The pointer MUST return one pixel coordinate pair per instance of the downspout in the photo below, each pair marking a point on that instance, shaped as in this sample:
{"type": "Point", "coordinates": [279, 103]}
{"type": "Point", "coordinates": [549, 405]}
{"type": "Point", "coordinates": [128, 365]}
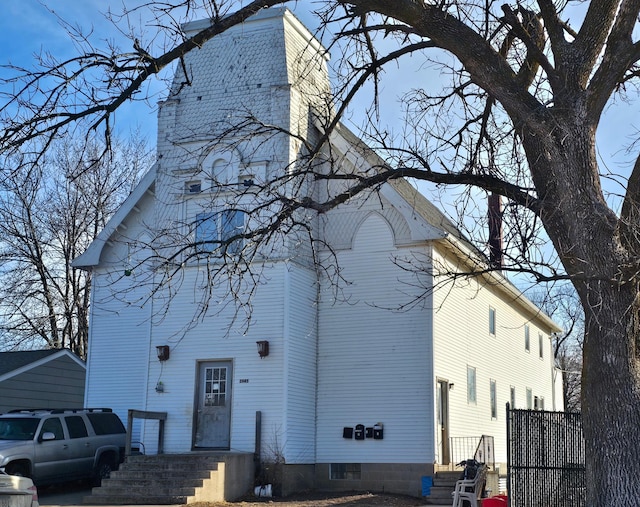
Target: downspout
{"type": "Point", "coordinates": [286, 331]}
{"type": "Point", "coordinates": [89, 347]}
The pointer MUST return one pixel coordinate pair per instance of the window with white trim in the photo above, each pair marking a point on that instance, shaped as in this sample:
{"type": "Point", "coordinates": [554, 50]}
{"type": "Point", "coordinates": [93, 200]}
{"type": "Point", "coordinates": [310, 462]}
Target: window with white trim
{"type": "Point", "coordinates": [493, 396]}
{"type": "Point", "coordinates": [213, 229]}
{"type": "Point", "coordinates": [540, 345]}
{"type": "Point", "coordinates": [492, 321]}
{"type": "Point", "coordinates": [193, 187]}
{"type": "Point", "coordinates": [527, 340]}
{"type": "Point", "coordinates": [471, 384]}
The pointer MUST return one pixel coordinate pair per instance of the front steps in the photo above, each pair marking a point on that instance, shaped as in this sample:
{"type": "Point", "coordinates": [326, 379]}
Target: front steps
{"type": "Point", "coordinates": [443, 485]}
{"type": "Point", "coordinates": [167, 479]}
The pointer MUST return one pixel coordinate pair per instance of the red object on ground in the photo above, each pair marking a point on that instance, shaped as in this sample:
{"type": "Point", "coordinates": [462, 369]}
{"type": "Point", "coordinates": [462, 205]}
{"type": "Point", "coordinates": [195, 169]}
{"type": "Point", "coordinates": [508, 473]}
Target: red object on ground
{"type": "Point", "coordinates": [494, 501]}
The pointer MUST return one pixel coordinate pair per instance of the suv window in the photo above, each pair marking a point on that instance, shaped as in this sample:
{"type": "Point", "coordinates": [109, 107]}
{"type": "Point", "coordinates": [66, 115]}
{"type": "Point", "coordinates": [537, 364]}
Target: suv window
{"type": "Point", "coordinates": [106, 423]}
{"type": "Point", "coordinates": [18, 428]}
{"type": "Point", "coordinates": [53, 425]}
{"type": "Point", "coordinates": [76, 426]}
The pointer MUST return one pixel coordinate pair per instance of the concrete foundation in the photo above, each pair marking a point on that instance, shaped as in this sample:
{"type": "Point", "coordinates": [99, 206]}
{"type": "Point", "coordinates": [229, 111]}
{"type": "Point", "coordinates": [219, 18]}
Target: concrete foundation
{"type": "Point", "coordinates": [398, 478]}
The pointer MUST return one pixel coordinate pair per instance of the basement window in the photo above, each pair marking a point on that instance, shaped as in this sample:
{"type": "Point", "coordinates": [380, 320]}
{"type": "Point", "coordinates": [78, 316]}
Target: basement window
{"type": "Point", "coordinates": [345, 471]}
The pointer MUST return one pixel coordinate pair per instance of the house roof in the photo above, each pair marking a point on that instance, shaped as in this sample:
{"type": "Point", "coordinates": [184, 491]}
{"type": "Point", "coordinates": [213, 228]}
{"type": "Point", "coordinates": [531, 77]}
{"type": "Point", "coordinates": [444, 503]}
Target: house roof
{"type": "Point", "coordinates": [91, 256]}
{"type": "Point", "coordinates": [13, 363]}
{"type": "Point", "coordinates": [451, 237]}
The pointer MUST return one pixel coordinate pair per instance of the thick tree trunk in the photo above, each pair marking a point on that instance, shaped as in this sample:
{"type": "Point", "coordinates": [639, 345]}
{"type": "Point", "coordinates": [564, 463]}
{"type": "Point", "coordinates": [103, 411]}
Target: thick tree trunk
{"type": "Point", "coordinates": [586, 235]}
{"type": "Point", "coordinates": [611, 395]}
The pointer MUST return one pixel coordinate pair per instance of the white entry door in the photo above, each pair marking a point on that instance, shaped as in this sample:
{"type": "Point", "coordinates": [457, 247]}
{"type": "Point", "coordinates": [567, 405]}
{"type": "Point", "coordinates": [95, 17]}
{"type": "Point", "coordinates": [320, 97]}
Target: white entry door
{"type": "Point", "coordinates": [213, 407]}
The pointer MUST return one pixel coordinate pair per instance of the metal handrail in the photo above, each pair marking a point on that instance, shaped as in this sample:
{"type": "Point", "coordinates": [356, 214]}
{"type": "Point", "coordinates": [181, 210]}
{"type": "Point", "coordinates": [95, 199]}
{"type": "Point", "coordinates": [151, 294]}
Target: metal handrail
{"type": "Point", "coordinates": [480, 448]}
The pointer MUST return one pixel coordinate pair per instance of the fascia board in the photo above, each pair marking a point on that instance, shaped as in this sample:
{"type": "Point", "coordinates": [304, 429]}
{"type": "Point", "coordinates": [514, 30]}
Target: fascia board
{"type": "Point", "coordinates": [495, 279]}
{"type": "Point", "coordinates": [91, 256]}
{"type": "Point", "coordinates": [40, 362]}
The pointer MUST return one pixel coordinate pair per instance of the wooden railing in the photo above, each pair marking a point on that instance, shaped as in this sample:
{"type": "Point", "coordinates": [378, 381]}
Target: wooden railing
{"type": "Point", "coordinates": [142, 414]}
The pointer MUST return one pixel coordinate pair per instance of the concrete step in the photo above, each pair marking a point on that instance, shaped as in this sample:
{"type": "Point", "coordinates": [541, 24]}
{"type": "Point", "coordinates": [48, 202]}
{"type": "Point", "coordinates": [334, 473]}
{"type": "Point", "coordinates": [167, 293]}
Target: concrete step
{"type": "Point", "coordinates": [151, 473]}
{"type": "Point", "coordinates": [151, 483]}
{"type": "Point", "coordinates": [443, 485]}
{"type": "Point", "coordinates": [168, 490]}
{"type": "Point", "coordinates": [447, 477]}
{"type": "Point", "coordinates": [440, 495]}
{"type": "Point", "coordinates": [146, 500]}
{"type": "Point", "coordinates": [158, 479]}
{"type": "Point", "coordinates": [176, 479]}
{"type": "Point", "coordinates": [178, 466]}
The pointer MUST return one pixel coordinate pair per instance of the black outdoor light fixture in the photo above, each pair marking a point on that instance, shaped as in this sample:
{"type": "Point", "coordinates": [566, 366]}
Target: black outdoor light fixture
{"type": "Point", "coordinates": [263, 348]}
{"type": "Point", "coordinates": [163, 352]}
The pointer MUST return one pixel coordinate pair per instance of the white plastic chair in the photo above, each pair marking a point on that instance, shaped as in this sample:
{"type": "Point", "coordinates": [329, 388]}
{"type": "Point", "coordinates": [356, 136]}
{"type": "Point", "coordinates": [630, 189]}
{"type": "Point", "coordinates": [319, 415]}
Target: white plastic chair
{"type": "Point", "coordinates": [470, 489]}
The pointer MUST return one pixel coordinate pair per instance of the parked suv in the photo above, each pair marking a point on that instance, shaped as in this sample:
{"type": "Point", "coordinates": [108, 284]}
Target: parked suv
{"type": "Point", "coordinates": [60, 445]}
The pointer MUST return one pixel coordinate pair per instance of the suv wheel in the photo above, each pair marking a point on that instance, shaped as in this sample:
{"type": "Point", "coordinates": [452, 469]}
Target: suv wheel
{"type": "Point", "coordinates": [17, 469]}
{"type": "Point", "coordinates": [103, 470]}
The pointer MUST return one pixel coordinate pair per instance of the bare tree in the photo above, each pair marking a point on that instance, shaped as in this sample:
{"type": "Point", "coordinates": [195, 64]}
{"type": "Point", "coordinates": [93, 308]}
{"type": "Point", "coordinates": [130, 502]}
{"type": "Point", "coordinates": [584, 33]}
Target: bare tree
{"type": "Point", "coordinates": [562, 304]}
{"type": "Point", "coordinates": [515, 113]}
{"type": "Point", "coordinates": [49, 213]}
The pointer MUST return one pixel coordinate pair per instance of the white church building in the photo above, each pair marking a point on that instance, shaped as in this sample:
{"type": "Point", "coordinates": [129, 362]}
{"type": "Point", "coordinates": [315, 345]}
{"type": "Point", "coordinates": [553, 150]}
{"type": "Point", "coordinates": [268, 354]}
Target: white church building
{"type": "Point", "coordinates": [363, 371]}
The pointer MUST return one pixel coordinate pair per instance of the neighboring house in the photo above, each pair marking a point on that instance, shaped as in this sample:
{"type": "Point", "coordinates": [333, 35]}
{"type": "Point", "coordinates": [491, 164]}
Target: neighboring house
{"type": "Point", "coordinates": [50, 378]}
{"type": "Point", "coordinates": [339, 361]}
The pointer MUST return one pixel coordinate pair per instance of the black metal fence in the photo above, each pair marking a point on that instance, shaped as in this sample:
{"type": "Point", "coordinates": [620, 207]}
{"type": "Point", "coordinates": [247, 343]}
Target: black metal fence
{"type": "Point", "coordinates": [545, 455]}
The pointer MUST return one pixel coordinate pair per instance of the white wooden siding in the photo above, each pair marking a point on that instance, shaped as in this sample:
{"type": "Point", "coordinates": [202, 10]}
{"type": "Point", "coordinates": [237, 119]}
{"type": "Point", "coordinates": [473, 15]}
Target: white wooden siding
{"type": "Point", "coordinates": [300, 320]}
{"type": "Point", "coordinates": [462, 338]}
{"type": "Point", "coordinates": [117, 360]}
{"type": "Point", "coordinates": [374, 363]}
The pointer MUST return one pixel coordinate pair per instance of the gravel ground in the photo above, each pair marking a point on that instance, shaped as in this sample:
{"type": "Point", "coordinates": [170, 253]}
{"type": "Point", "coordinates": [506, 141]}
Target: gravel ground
{"type": "Point", "coordinates": [314, 499]}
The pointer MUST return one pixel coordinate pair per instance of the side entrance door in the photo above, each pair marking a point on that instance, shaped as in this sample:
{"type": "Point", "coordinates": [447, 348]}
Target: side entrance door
{"type": "Point", "coordinates": [442, 401]}
{"type": "Point", "coordinates": [213, 405]}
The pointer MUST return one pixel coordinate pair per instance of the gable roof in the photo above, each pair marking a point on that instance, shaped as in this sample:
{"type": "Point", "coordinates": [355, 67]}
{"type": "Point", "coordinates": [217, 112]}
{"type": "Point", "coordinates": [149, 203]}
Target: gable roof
{"type": "Point", "coordinates": [91, 256]}
{"type": "Point", "coordinates": [14, 363]}
{"type": "Point", "coordinates": [449, 235]}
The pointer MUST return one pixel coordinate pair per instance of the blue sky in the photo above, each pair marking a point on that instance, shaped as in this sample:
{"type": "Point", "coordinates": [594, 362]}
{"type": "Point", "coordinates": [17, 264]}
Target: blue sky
{"type": "Point", "coordinates": [27, 27]}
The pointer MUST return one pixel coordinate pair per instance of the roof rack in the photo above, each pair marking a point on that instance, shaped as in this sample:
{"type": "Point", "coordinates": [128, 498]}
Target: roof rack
{"type": "Point", "coordinates": [58, 410]}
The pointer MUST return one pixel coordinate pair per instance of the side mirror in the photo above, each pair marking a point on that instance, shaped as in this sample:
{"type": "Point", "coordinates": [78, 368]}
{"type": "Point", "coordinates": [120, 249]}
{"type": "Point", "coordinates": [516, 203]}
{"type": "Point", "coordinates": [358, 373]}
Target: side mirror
{"type": "Point", "coordinates": [47, 435]}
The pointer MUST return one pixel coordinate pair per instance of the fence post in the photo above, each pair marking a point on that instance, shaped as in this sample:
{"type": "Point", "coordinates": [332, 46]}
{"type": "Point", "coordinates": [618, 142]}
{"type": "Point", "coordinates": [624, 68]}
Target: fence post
{"type": "Point", "coordinates": [508, 419]}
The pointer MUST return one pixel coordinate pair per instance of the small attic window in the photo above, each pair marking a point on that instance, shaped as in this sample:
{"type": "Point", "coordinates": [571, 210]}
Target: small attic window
{"type": "Point", "coordinates": [193, 187]}
{"type": "Point", "coordinates": [246, 181]}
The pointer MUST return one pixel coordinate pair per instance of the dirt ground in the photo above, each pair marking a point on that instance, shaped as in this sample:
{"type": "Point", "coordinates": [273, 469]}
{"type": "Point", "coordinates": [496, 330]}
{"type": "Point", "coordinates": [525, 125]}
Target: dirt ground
{"type": "Point", "coordinates": [315, 499]}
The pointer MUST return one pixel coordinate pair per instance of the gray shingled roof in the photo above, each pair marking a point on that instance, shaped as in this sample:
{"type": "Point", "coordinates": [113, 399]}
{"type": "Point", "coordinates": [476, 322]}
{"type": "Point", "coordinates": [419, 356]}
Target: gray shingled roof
{"type": "Point", "coordinates": [10, 361]}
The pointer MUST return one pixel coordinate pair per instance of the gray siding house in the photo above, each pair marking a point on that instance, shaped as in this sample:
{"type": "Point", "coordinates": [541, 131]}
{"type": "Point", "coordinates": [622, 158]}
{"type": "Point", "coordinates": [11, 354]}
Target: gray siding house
{"type": "Point", "coordinates": [41, 379]}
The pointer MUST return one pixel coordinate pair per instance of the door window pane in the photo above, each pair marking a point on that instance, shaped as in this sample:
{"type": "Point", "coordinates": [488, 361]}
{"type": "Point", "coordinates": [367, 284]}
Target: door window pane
{"type": "Point", "coordinates": [215, 387]}
{"type": "Point", "coordinates": [53, 425]}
